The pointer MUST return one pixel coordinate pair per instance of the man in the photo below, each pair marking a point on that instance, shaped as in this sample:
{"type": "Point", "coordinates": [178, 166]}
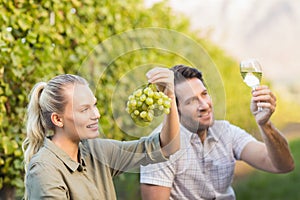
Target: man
{"type": "Point", "coordinates": [204, 166]}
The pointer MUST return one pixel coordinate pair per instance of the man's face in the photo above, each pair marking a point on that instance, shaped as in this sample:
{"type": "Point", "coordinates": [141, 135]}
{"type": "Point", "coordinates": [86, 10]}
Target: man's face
{"type": "Point", "coordinates": [81, 114]}
{"type": "Point", "coordinates": [194, 105]}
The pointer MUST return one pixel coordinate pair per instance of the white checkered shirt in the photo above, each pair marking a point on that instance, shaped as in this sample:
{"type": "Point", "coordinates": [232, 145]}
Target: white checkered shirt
{"type": "Point", "coordinates": [201, 171]}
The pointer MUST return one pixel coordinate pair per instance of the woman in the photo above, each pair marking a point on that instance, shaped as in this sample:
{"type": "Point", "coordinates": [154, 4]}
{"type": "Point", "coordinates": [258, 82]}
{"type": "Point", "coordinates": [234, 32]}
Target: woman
{"type": "Point", "coordinates": [73, 163]}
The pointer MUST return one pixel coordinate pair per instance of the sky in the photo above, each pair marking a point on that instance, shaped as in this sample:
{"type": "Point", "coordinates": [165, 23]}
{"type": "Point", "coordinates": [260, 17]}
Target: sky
{"type": "Point", "coordinates": [264, 29]}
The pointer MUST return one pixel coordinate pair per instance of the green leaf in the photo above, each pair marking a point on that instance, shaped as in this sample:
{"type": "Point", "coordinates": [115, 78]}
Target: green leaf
{"type": "Point", "coordinates": [31, 37]}
{"type": "Point", "coordinates": [1, 182]}
{"type": "Point", "coordinates": [9, 146]}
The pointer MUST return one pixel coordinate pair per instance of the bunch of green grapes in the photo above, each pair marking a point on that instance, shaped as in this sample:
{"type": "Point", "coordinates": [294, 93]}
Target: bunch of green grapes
{"type": "Point", "coordinates": [147, 102]}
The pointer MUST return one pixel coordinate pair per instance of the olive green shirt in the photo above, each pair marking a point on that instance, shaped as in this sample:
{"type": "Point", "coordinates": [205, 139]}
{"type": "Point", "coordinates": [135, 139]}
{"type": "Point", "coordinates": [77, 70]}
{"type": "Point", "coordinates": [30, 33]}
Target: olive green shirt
{"type": "Point", "coordinates": [52, 174]}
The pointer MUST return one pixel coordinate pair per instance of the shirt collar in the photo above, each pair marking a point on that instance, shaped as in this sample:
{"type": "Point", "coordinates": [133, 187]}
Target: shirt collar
{"type": "Point", "coordinates": [211, 135]}
{"type": "Point", "coordinates": [63, 156]}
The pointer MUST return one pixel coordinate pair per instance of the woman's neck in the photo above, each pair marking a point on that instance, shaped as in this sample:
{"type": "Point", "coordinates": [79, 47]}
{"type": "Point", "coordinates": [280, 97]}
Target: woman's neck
{"type": "Point", "coordinates": [67, 145]}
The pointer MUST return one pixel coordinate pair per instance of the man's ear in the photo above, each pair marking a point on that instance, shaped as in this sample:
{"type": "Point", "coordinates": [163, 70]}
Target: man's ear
{"type": "Point", "coordinates": [57, 120]}
{"type": "Point", "coordinates": [178, 107]}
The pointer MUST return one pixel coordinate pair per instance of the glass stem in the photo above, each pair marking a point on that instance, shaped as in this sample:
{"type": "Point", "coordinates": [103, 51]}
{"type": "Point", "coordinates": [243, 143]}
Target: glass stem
{"type": "Point", "coordinates": [259, 107]}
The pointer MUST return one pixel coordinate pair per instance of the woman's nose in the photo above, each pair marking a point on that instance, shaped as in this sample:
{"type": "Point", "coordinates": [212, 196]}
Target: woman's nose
{"type": "Point", "coordinates": [96, 114]}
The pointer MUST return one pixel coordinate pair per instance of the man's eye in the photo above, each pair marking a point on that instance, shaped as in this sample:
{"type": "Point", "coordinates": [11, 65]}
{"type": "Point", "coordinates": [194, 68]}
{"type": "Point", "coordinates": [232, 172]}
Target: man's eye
{"type": "Point", "coordinates": [189, 102]}
{"type": "Point", "coordinates": [205, 93]}
{"type": "Point", "coordinates": [192, 101]}
{"type": "Point", "coordinates": [84, 110]}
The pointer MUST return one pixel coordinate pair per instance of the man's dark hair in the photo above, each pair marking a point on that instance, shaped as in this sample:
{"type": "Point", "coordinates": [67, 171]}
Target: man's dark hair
{"type": "Point", "coordinates": [183, 72]}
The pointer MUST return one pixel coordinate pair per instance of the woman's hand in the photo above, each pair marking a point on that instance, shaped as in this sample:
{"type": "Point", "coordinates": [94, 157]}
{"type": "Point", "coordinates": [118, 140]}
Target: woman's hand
{"type": "Point", "coordinates": [163, 78]}
{"type": "Point", "coordinates": [169, 135]}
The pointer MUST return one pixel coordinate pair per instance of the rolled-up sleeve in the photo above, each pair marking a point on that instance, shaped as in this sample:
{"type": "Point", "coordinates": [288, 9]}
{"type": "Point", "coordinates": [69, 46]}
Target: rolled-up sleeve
{"type": "Point", "coordinates": [127, 155]}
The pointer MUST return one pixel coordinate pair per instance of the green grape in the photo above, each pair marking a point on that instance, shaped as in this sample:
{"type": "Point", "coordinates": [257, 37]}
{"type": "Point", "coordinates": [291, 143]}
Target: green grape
{"type": "Point", "coordinates": [150, 93]}
{"type": "Point", "coordinates": [166, 110]}
{"type": "Point", "coordinates": [143, 114]}
{"type": "Point", "coordinates": [156, 95]}
{"type": "Point", "coordinates": [133, 103]}
{"type": "Point", "coordinates": [138, 93]}
{"type": "Point", "coordinates": [158, 112]}
{"type": "Point", "coordinates": [132, 115]}
{"type": "Point", "coordinates": [160, 101]}
{"type": "Point", "coordinates": [161, 107]}
{"type": "Point", "coordinates": [165, 97]}
{"type": "Point", "coordinates": [144, 106]}
{"type": "Point", "coordinates": [131, 97]}
{"type": "Point", "coordinates": [167, 103]}
{"type": "Point", "coordinates": [145, 91]}
{"type": "Point", "coordinates": [151, 107]}
{"type": "Point", "coordinates": [149, 101]}
{"type": "Point", "coordinates": [145, 103]}
{"type": "Point", "coordinates": [150, 112]}
{"type": "Point", "coordinates": [150, 117]}
{"type": "Point", "coordinates": [143, 97]}
{"type": "Point", "coordinates": [139, 103]}
{"type": "Point", "coordinates": [136, 112]}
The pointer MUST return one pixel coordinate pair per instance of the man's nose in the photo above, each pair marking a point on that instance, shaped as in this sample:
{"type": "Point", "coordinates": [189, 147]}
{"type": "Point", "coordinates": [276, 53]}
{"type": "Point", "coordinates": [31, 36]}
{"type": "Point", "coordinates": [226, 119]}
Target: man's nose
{"type": "Point", "coordinates": [202, 104]}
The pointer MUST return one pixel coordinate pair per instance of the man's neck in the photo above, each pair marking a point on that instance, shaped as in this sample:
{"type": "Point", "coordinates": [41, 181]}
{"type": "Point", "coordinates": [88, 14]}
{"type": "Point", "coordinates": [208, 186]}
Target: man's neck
{"type": "Point", "coordinates": [202, 135]}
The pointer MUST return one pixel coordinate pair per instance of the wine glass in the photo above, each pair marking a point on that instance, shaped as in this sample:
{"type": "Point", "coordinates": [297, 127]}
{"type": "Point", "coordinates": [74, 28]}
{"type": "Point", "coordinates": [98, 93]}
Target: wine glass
{"type": "Point", "coordinates": [251, 72]}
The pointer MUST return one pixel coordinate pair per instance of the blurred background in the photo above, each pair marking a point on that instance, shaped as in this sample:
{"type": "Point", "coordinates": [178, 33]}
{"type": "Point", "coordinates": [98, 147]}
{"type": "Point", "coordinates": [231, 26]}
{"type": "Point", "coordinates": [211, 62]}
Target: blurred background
{"type": "Point", "coordinates": [112, 43]}
{"type": "Point", "coordinates": [266, 30]}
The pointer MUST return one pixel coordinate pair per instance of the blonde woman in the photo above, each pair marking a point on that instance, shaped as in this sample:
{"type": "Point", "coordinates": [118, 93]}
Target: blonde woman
{"type": "Point", "coordinates": [73, 163]}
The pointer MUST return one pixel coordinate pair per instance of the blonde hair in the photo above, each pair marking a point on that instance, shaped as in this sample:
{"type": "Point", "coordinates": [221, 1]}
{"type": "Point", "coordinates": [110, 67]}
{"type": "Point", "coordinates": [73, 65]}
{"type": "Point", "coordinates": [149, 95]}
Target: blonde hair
{"type": "Point", "coordinates": [44, 99]}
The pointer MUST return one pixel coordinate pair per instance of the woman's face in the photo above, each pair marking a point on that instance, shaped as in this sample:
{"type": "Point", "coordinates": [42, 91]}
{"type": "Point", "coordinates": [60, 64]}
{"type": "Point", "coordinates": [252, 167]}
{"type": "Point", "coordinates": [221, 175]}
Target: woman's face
{"type": "Point", "coordinates": [80, 118]}
{"type": "Point", "coordinates": [194, 105]}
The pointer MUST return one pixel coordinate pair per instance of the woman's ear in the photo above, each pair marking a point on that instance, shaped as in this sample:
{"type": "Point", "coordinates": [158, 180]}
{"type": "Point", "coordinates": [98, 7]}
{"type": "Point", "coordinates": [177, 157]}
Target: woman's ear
{"type": "Point", "coordinates": [57, 120]}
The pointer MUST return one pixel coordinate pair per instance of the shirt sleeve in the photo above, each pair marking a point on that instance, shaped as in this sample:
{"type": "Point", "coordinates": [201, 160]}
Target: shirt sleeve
{"type": "Point", "coordinates": [161, 174]}
{"type": "Point", "coordinates": [127, 155]}
{"type": "Point", "coordinates": [42, 183]}
{"type": "Point", "coordinates": [240, 139]}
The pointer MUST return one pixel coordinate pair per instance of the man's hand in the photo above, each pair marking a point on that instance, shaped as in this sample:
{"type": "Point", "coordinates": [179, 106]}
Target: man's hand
{"type": "Point", "coordinates": [263, 97]}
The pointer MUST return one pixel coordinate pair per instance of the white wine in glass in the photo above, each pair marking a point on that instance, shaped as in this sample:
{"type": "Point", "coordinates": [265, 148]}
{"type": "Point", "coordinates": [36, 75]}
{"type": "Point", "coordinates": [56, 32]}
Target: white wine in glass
{"type": "Point", "coordinates": [251, 72]}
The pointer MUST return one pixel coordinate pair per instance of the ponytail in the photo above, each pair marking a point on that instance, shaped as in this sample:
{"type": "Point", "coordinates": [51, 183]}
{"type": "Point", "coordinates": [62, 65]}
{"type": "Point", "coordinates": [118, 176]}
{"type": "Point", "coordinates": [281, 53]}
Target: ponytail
{"type": "Point", "coordinates": [45, 99]}
{"type": "Point", "coordinates": [35, 125]}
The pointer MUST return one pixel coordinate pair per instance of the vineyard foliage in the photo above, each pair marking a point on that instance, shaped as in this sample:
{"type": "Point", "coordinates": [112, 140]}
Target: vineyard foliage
{"type": "Point", "coordinates": [112, 44]}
